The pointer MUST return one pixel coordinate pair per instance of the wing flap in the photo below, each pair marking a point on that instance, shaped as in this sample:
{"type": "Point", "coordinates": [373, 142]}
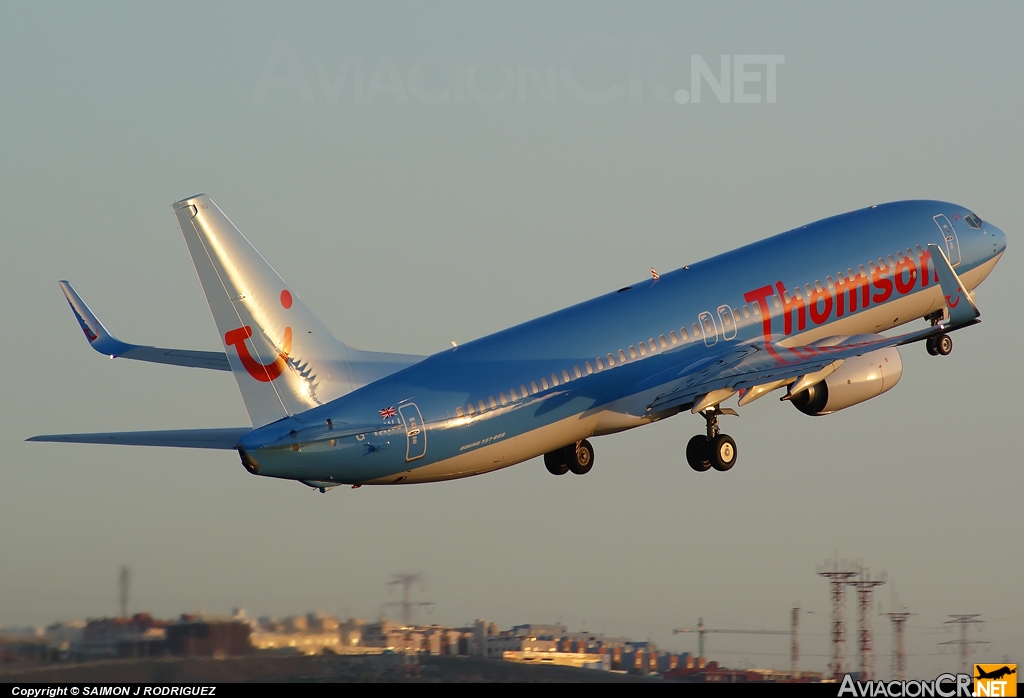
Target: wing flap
{"type": "Point", "coordinates": [221, 438]}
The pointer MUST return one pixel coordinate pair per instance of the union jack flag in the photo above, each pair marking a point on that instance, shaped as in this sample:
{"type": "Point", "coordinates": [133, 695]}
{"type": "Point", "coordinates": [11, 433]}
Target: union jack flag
{"type": "Point", "coordinates": [655, 274]}
{"type": "Point", "coordinates": [387, 413]}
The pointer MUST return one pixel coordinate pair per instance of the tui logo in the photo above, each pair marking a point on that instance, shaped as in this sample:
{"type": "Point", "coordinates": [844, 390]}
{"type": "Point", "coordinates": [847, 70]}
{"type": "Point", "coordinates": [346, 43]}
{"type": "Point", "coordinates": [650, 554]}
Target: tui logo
{"type": "Point", "coordinates": [265, 373]}
{"type": "Point", "coordinates": [952, 304]}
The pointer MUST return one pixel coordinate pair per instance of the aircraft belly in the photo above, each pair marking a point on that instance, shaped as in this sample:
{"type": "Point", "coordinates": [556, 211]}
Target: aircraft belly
{"type": "Point", "coordinates": [501, 454]}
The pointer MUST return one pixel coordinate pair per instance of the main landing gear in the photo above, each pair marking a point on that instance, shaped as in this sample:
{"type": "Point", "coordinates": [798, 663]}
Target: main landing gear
{"type": "Point", "coordinates": [577, 457]}
{"type": "Point", "coordinates": [715, 450]}
{"type": "Point", "coordinates": [939, 345]}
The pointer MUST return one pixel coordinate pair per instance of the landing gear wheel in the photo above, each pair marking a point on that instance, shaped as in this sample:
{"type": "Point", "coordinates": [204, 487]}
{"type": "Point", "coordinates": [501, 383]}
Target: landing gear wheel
{"type": "Point", "coordinates": [697, 453]}
{"type": "Point", "coordinates": [580, 457]}
{"type": "Point", "coordinates": [930, 346]}
{"type": "Point", "coordinates": [722, 452]}
{"type": "Point", "coordinates": [944, 344]}
{"type": "Point", "coordinates": [557, 462]}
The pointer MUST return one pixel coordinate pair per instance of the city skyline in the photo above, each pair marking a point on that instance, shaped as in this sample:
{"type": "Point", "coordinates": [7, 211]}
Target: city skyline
{"type": "Point", "coordinates": [530, 203]}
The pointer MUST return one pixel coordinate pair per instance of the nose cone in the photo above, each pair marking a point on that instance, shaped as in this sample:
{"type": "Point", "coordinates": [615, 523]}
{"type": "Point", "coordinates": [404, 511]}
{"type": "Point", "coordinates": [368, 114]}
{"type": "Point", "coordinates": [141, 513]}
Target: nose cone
{"type": "Point", "coordinates": [999, 239]}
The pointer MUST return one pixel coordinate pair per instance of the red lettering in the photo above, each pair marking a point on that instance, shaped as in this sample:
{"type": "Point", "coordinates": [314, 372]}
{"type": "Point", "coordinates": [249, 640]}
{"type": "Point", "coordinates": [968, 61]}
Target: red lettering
{"type": "Point", "coordinates": [924, 260]}
{"type": "Point", "coordinates": [906, 266]}
{"type": "Point", "coordinates": [760, 296]}
{"type": "Point", "coordinates": [794, 305]}
{"type": "Point", "coordinates": [848, 287]}
{"type": "Point", "coordinates": [824, 296]}
{"type": "Point", "coordinates": [881, 281]}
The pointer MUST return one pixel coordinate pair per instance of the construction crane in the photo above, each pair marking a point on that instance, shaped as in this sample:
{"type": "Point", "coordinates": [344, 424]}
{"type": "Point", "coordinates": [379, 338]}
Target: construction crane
{"type": "Point", "coordinates": [701, 631]}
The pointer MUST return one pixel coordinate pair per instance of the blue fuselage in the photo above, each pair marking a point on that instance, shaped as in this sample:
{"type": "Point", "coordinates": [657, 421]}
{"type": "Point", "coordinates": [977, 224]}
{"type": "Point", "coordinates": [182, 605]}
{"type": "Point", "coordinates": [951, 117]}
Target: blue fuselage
{"type": "Point", "coordinates": [594, 368]}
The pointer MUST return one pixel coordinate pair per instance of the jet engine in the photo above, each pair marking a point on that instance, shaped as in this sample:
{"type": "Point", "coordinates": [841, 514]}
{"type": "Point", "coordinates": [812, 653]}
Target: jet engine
{"type": "Point", "coordinates": [859, 378]}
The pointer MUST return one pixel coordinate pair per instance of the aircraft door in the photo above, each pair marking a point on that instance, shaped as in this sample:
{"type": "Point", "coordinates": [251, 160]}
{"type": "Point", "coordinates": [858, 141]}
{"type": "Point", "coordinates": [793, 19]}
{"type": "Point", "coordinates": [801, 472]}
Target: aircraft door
{"type": "Point", "coordinates": [949, 235]}
{"type": "Point", "coordinates": [728, 322]}
{"type": "Point", "coordinates": [415, 431]}
{"type": "Point", "coordinates": [708, 328]}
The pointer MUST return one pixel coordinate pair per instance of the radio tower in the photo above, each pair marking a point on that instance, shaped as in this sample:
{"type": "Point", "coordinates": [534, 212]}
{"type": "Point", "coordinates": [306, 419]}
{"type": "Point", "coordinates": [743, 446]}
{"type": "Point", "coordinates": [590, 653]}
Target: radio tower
{"type": "Point", "coordinates": [794, 646]}
{"type": "Point", "coordinates": [406, 580]}
{"type": "Point", "coordinates": [965, 620]}
{"type": "Point", "coordinates": [125, 581]}
{"type": "Point", "coordinates": [838, 574]}
{"type": "Point", "coordinates": [899, 650]}
{"type": "Point", "coordinates": [865, 587]}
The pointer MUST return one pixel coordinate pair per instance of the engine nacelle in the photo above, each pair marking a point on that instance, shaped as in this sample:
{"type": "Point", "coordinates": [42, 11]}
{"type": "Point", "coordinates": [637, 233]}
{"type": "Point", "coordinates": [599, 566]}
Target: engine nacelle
{"type": "Point", "coordinates": [859, 378]}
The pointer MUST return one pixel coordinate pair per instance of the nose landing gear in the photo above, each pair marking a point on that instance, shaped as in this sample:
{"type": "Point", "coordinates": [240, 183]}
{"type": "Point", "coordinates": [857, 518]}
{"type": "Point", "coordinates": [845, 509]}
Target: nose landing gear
{"type": "Point", "coordinates": [714, 450]}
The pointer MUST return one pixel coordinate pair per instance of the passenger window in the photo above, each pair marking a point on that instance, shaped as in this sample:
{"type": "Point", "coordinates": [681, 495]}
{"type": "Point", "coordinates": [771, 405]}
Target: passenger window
{"type": "Point", "coordinates": [494, 403]}
{"type": "Point", "coordinates": [600, 365]}
{"type": "Point", "coordinates": [757, 309]}
{"type": "Point", "coordinates": [643, 349]}
{"type": "Point", "coordinates": [554, 379]}
{"type": "Point", "coordinates": [682, 333]}
{"type": "Point", "coordinates": [611, 360]}
{"type": "Point", "coordinates": [871, 267]}
{"type": "Point", "coordinates": [632, 351]}
{"type": "Point", "coordinates": [459, 412]}
{"type": "Point", "coordinates": [736, 316]}
{"type": "Point", "coordinates": [512, 394]}
{"type": "Point", "coordinates": [533, 388]}
{"type": "Point", "coordinates": [470, 409]}
{"type": "Point", "coordinates": [746, 313]}
{"type": "Point", "coordinates": [504, 400]}
{"type": "Point", "coordinates": [662, 341]}
{"type": "Point", "coordinates": [622, 356]}
{"type": "Point", "coordinates": [651, 345]}
{"type": "Point", "coordinates": [590, 369]}
{"type": "Point", "coordinates": [672, 336]}
{"type": "Point", "coordinates": [544, 383]}
{"type": "Point", "coordinates": [775, 301]}
{"type": "Point", "coordinates": [695, 331]}
{"type": "Point", "coordinates": [830, 283]}
{"type": "Point", "coordinates": [565, 376]}
{"type": "Point", "coordinates": [482, 406]}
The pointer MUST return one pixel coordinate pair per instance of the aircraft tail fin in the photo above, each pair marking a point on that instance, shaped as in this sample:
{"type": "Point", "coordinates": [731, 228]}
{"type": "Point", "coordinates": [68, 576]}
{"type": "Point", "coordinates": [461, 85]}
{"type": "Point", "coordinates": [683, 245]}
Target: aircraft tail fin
{"type": "Point", "coordinates": [284, 359]}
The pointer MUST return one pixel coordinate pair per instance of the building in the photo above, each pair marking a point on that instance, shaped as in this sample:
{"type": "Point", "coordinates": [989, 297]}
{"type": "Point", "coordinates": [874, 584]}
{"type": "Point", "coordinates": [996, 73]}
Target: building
{"type": "Point", "coordinates": [191, 636]}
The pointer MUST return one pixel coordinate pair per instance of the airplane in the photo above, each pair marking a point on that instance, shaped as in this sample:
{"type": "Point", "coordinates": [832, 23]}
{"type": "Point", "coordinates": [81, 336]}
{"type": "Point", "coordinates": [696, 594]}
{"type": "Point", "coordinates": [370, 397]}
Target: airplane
{"type": "Point", "coordinates": [995, 674]}
{"type": "Point", "coordinates": [802, 311]}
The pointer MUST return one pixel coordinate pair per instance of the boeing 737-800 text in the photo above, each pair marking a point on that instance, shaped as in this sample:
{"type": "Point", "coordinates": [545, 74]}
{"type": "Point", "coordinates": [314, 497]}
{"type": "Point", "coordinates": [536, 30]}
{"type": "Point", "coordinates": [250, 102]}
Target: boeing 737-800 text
{"type": "Point", "coordinates": [800, 311]}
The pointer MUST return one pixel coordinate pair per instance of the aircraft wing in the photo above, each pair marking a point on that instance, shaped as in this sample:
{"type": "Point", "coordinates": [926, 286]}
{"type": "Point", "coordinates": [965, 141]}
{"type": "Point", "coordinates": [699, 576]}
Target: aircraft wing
{"type": "Point", "coordinates": [714, 379]}
{"type": "Point", "coordinates": [105, 343]}
{"type": "Point", "coordinates": [224, 438]}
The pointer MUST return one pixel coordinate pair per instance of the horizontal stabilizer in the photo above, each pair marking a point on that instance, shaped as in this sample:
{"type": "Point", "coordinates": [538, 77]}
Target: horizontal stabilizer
{"type": "Point", "coordinates": [224, 438]}
{"type": "Point", "coordinates": [105, 343]}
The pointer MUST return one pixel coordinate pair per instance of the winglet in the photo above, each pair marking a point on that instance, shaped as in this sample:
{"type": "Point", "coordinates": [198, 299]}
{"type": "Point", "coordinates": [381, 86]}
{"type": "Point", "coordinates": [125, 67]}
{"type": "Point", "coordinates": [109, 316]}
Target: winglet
{"type": "Point", "coordinates": [105, 343]}
{"type": "Point", "coordinates": [959, 305]}
{"type": "Point", "coordinates": [99, 338]}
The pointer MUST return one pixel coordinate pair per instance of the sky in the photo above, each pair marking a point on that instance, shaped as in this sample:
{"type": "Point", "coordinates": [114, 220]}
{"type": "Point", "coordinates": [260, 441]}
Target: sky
{"type": "Point", "coordinates": [422, 174]}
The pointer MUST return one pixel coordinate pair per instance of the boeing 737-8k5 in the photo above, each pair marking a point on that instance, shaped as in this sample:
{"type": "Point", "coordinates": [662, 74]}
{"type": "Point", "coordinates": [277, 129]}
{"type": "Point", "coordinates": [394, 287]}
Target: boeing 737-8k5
{"type": "Point", "coordinates": [801, 311]}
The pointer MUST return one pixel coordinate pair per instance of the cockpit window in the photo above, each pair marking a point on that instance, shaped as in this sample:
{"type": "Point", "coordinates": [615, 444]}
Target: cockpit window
{"type": "Point", "coordinates": [972, 221]}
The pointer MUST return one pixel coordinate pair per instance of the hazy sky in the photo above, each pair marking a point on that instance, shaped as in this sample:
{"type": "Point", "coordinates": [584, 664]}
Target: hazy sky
{"type": "Point", "coordinates": [427, 173]}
